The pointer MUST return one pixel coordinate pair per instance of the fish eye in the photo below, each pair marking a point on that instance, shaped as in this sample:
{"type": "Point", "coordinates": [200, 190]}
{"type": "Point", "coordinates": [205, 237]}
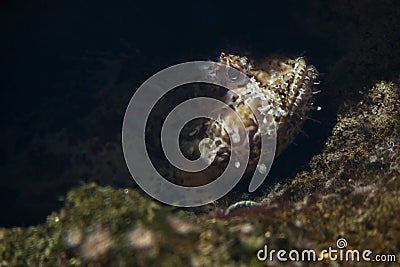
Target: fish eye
{"type": "Point", "coordinates": [233, 73]}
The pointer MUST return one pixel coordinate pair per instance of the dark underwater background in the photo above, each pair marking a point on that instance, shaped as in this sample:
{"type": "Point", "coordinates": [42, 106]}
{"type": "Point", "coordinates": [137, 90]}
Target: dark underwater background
{"type": "Point", "coordinates": [69, 68]}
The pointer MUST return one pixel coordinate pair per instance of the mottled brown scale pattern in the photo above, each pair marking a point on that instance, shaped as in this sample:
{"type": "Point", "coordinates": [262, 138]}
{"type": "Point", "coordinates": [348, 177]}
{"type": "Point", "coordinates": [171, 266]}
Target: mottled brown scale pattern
{"type": "Point", "coordinates": [285, 84]}
{"type": "Point", "coordinates": [293, 80]}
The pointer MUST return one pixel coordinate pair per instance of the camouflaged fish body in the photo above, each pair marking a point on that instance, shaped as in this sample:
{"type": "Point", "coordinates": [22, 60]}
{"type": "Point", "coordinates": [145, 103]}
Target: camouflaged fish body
{"type": "Point", "coordinates": [284, 89]}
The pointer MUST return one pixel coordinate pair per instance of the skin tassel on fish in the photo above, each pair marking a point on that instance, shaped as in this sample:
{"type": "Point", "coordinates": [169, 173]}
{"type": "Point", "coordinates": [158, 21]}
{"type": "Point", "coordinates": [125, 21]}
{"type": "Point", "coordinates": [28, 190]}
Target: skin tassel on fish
{"type": "Point", "coordinates": [286, 88]}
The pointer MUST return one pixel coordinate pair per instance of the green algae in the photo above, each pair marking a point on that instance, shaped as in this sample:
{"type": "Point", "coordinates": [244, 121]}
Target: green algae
{"type": "Point", "coordinates": [352, 191]}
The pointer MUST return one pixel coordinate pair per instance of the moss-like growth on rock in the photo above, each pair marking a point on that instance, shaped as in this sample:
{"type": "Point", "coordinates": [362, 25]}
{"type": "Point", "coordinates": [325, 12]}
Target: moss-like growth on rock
{"type": "Point", "coordinates": [352, 191]}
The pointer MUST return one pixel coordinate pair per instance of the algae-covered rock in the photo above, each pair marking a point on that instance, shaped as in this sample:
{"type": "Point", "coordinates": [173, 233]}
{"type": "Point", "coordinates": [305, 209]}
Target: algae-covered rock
{"type": "Point", "coordinates": [351, 192]}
